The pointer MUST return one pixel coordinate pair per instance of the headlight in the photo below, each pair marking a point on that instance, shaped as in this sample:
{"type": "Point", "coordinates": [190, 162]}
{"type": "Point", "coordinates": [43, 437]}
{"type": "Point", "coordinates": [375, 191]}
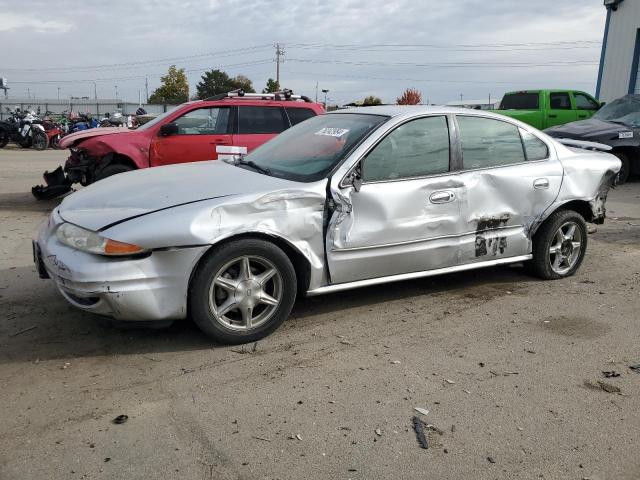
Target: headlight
{"type": "Point", "coordinates": [88, 241]}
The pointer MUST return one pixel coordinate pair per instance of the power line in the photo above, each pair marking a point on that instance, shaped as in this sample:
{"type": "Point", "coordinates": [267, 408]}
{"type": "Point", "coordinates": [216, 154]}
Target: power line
{"type": "Point", "coordinates": [448, 64]}
{"type": "Point", "coordinates": [444, 46]}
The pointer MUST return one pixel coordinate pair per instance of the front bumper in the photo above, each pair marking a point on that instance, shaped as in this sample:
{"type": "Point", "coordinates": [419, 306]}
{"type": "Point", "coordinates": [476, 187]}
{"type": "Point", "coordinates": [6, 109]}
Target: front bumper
{"type": "Point", "coordinates": [154, 287]}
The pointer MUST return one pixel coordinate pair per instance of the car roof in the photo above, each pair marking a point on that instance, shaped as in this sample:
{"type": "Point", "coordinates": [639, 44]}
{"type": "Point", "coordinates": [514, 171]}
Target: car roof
{"type": "Point", "coordinates": [414, 110]}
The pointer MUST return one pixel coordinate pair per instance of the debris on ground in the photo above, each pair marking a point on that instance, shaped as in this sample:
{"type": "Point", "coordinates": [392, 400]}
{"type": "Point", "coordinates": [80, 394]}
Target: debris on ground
{"type": "Point", "coordinates": [635, 367]}
{"type": "Point", "coordinates": [378, 432]}
{"type": "Point", "coordinates": [299, 437]}
{"type": "Point", "coordinates": [395, 362]}
{"type": "Point", "coordinates": [24, 330]}
{"type": "Point", "coordinates": [65, 366]}
{"type": "Point", "coordinates": [120, 419]}
{"type": "Point", "coordinates": [491, 460]}
{"type": "Point", "coordinates": [346, 342]}
{"type": "Point", "coordinates": [600, 385]}
{"type": "Point", "coordinates": [261, 438]}
{"type": "Point", "coordinates": [449, 381]}
{"type": "Point", "coordinates": [422, 438]}
{"type": "Point", "coordinates": [421, 410]}
{"type": "Point", "coordinates": [610, 374]}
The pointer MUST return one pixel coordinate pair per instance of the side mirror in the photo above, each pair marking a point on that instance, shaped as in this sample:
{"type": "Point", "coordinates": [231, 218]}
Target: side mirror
{"type": "Point", "coordinates": [354, 179]}
{"type": "Point", "coordinates": [168, 129]}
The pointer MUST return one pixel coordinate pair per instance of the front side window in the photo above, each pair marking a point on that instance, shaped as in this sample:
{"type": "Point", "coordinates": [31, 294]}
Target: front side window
{"type": "Point", "coordinates": [489, 143]}
{"type": "Point", "coordinates": [520, 101]}
{"type": "Point", "coordinates": [312, 149]}
{"type": "Point", "coordinates": [584, 102]}
{"type": "Point", "coordinates": [260, 120]}
{"type": "Point", "coordinates": [559, 101]}
{"type": "Point", "coordinates": [414, 149]}
{"type": "Point", "coordinates": [204, 121]}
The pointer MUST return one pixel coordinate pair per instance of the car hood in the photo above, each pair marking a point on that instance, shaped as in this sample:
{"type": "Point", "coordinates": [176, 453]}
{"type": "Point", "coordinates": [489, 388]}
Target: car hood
{"type": "Point", "coordinates": [69, 140]}
{"type": "Point", "coordinates": [592, 128]}
{"type": "Point", "coordinates": [141, 192]}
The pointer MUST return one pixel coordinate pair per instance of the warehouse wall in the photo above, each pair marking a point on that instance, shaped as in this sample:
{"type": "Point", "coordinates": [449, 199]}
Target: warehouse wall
{"type": "Point", "coordinates": [620, 48]}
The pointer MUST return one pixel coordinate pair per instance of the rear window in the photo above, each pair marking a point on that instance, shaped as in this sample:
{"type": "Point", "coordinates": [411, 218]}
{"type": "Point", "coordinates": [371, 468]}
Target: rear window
{"type": "Point", "coordinates": [520, 101]}
{"type": "Point", "coordinates": [300, 114]}
{"type": "Point", "coordinates": [256, 120]}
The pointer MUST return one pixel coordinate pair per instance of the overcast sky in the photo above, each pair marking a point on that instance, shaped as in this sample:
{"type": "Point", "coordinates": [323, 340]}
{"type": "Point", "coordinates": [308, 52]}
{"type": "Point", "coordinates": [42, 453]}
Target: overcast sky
{"type": "Point", "coordinates": [353, 48]}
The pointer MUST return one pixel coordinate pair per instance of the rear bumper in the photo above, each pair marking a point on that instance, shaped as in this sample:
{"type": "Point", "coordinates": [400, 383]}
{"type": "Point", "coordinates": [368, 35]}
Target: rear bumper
{"type": "Point", "coordinates": [151, 288]}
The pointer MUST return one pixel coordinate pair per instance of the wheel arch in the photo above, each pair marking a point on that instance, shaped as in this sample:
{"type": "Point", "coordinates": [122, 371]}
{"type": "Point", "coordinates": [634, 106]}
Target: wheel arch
{"type": "Point", "coordinates": [582, 207]}
{"type": "Point", "coordinates": [301, 263]}
{"type": "Point", "coordinates": [632, 152]}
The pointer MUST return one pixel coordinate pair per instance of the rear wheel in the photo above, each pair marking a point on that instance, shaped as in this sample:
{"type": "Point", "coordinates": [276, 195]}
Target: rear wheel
{"type": "Point", "coordinates": [4, 138]}
{"type": "Point", "coordinates": [623, 174]}
{"type": "Point", "coordinates": [243, 291]}
{"type": "Point", "coordinates": [559, 246]}
{"type": "Point", "coordinates": [54, 142]}
{"type": "Point", "coordinates": [40, 141]}
{"type": "Point", "coordinates": [112, 169]}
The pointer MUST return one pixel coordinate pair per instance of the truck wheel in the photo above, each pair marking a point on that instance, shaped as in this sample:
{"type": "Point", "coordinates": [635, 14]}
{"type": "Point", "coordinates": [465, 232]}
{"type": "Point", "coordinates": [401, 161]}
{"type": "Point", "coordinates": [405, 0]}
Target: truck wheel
{"type": "Point", "coordinates": [623, 174]}
{"type": "Point", "coordinates": [112, 169]}
{"type": "Point", "coordinates": [559, 245]}
{"type": "Point", "coordinates": [243, 291]}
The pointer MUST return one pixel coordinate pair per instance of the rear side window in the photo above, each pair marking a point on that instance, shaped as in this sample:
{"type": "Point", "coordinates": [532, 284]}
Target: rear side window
{"type": "Point", "coordinates": [520, 101]}
{"type": "Point", "coordinates": [559, 101]}
{"type": "Point", "coordinates": [204, 121]}
{"type": "Point", "coordinates": [256, 120]}
{"type": "Point", "coordinates": [414, 149]}
{"type": "Point", "coordinates": [535, 148]}
{"type": "Point", "coordinates": [489, 143]}
{"type": "Point", "coordinates": [300, 114]}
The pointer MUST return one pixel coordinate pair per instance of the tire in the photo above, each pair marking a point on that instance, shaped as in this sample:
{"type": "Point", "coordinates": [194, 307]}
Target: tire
{"type": "Point", "coordinates": [234, 304]}
{"type": "Point", "coordinates": [623, 174]}
{"type": "Point", "coordinates": [40, 141]}
{"type": "Point", "coordinates": [555, 254]}
{"type": "Point", "coordinates": [4, 138]}
{"type": "Point", "coordinates": [54, 142]}
{"type": "Point", "coordinates": [112, 169]}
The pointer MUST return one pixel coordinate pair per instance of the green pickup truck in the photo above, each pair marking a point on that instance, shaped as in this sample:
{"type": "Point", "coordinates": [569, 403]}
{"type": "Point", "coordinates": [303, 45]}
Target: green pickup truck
{"type": "Point", "coordinates": [547, 108]}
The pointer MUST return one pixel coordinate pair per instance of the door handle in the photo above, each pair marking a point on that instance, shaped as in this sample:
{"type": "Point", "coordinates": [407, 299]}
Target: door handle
{"type": "Point", "coordinates": [552, 115]}
{"type": "Point", "coordinates": [442, 197]}
{"type": "Point", "coordinates": [541, 183]}
{"type": "Point", "coordinates": [220, 142]}
{"type": "Point", "coordinates": [582, 116]}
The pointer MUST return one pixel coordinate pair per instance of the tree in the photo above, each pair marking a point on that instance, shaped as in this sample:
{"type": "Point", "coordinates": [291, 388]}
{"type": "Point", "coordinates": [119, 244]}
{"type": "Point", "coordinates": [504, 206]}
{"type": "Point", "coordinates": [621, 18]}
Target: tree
{"type": "Point", "coordinates": [215, 82]}
{"type": "Point", "coordinates": [411, 96]}
{"type": "Point", "coordinates": [174, 88]}
{"type": "Point", "coordinates": [370, 101]}
{"type": "Point", "coordinates": [272, 86]}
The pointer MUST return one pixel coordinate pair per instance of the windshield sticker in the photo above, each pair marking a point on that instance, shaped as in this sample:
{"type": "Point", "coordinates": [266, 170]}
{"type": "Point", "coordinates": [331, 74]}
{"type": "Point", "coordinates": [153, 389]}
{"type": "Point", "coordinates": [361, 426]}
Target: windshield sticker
{"type": "Point", "coordinates": [333, 132]}
{"type": "Point", "coordinates": [625, 135]}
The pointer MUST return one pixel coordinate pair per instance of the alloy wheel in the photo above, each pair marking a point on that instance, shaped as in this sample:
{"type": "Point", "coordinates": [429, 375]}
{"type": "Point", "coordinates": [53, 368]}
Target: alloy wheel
{"type": "Point", "coordinates": [565, 248]}
{"type": "Point", "coordinates": [245, 292]}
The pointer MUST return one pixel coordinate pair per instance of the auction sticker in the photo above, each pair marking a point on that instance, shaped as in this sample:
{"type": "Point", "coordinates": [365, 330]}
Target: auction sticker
{"type": "Point", "coordinates": [625, 134]}
{"type": "Point", "coordinates": [333, 132]}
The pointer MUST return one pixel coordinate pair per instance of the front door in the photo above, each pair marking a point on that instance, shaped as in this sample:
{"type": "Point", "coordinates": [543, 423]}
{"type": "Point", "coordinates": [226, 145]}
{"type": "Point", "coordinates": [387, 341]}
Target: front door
{"type": "Point", "coordinates": [406, 216]}
{"type": "Point", "coordinates": [511, 178]}
{"type": "Point", "coordinates": [200, 131]}
{"type": "Point", "coordinates": [586, 105]}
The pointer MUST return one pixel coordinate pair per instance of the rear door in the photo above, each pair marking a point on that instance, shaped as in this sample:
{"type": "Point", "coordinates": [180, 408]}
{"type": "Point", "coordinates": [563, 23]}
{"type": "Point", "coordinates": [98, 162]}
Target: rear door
{"type": "Point", "coordinates": [199, 132]}
{"type": "Point", "coordinates": [586, 105]}
{"type": "Point", "coordinates": [258, 124]}
{"type": "Point", "coordinates": [511, 177]}
{"type": "Point", "coordinates": [560, 110]}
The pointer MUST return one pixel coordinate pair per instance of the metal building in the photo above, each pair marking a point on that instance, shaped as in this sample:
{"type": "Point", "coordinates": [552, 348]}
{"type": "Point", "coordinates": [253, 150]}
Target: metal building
{"type": "Point", "coordinates": [620, 58]}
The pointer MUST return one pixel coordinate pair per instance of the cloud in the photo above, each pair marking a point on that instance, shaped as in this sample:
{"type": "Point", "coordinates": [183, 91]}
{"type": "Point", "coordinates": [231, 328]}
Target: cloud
{"type": "Point", "coordinates": [12, 22]}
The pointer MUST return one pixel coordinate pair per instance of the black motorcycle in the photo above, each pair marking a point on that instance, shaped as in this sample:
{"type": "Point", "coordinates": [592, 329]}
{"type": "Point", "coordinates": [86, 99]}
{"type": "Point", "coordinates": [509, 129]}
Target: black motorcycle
{"type": "Point", "coordinates": [25, 129]}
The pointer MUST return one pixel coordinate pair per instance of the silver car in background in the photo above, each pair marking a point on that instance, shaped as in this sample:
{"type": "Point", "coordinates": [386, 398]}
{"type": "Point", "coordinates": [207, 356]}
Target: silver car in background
{"type": "Point", "coordinates": [352, 198]}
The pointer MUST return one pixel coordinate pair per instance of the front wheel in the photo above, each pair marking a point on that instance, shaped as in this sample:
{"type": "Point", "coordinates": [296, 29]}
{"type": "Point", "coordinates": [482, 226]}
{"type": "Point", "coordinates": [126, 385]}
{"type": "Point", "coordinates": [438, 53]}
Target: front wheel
{"type": "Point", "coordinates": [559, 246]}
{"type": "Point", "coordinates": [40, 141]}
{"type": "Point", "coordinates": [243, 291]}
{"type": "Point", "coordinates": [112, 169]}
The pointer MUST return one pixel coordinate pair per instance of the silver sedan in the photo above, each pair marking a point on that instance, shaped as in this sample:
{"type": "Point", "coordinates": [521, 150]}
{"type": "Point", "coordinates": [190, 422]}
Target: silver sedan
{"type": "Point", "coordinates": [352, 198]}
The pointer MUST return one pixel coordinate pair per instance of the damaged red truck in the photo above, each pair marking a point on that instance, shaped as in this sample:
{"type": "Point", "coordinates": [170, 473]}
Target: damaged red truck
{"type": "Point", "coordinates": [227, 124]}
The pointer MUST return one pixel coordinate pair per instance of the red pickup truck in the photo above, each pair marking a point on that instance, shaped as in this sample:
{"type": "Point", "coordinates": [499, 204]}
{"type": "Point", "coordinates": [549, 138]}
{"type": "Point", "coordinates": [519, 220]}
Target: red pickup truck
{"type": "Point", "coordinates": [226, 124]}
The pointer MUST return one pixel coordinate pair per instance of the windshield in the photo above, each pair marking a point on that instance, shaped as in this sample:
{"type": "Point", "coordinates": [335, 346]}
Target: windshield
{"type": "Point", "coordinates": [624, 110]}
{"type": "Point", "coordinates": [158, 119]}
{"type": "Point", "coordinates": [311, 149]}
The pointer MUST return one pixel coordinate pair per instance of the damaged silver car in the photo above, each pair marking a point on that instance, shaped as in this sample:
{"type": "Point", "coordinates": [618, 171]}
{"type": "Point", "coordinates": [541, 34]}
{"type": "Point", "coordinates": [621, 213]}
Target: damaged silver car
{"type": "Point", "coordinates": [349, 199]}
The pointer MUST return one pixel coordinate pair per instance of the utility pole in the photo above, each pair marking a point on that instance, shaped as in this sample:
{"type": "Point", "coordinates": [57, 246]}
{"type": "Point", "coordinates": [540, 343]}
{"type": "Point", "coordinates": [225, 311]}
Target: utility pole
{"type": "Point", "coordinates": [146, 89]}
{"type": "Point", "coordinates": [58, 93]}
{"type": "Point", "coordinates": [95, 91]}
{"type": "Point", "coordinates": [116, 87]}
{"type": "Point", "coordinates": [460, 97]}
{"type": "Point", "coordinates": [316, 92]}
{"type": "Point", "coordinates": [28, 93]}
{"type": "Point", "coordinates": [325, 91]}
{"type": "Point", "coordinates": [279, 53]}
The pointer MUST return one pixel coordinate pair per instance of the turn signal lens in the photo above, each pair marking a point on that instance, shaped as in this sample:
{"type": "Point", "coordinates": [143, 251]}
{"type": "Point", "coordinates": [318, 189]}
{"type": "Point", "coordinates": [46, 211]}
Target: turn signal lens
{"type": "Point", "coordinates": [113, 247]}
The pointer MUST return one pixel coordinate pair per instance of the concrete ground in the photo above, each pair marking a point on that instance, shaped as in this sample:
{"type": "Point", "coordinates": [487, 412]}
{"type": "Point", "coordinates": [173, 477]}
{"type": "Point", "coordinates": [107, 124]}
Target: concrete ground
{"type": "Point", "coordinates": [508, 367]}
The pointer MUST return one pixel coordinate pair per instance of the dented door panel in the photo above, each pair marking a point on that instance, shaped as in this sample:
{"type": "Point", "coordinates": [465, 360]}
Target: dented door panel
{"type": "Point", "coordinates": [500, 205]}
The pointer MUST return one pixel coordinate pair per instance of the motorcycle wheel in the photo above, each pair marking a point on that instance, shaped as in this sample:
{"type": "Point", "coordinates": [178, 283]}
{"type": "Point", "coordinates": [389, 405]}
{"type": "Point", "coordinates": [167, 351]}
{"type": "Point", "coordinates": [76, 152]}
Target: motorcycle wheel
{"type": "Point", "coordinates": [55, 141]}
{"type": "Point", "coordinates": [4, 138]}
{"type": "Point", "coordinates": [40, 140]}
